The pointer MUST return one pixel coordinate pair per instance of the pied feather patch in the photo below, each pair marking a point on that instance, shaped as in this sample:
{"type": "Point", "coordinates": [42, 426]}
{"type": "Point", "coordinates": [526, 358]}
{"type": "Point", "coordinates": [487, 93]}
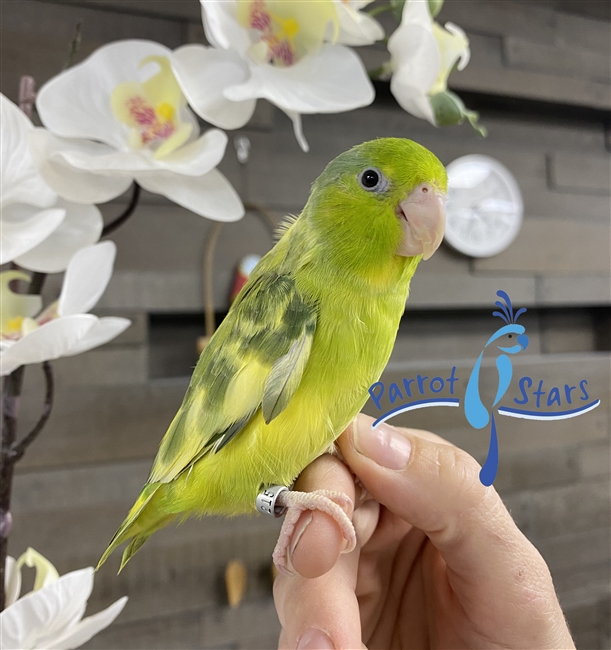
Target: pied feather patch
{"type": "Point", "coordinates": [286, 374]}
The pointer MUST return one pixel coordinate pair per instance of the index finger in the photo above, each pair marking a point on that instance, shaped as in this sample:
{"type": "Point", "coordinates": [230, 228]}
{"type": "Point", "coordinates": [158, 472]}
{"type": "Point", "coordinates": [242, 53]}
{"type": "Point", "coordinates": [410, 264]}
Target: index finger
{"type": "Point", "coordinates": [317, 540]}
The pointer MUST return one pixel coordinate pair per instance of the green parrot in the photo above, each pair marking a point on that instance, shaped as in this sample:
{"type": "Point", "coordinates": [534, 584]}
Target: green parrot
{"type": "Point", "coordinates": [313, 328]}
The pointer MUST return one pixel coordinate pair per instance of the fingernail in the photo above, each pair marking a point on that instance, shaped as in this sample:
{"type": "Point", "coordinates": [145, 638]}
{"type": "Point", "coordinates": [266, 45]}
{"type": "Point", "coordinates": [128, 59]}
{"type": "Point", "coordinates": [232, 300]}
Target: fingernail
{"type": "Point", "coordinates": [315, 639]}
{"type": "Point", "coordinates": [384, 444]}
{"type": "Point", "coordinates": [297, 533]}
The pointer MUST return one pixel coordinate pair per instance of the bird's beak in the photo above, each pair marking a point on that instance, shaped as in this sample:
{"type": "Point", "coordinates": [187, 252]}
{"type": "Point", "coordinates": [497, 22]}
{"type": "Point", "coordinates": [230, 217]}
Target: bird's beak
{"type": "Point", "coordinates": [423, 219]}
{"type": "Point", "coordinates": [523, 341]}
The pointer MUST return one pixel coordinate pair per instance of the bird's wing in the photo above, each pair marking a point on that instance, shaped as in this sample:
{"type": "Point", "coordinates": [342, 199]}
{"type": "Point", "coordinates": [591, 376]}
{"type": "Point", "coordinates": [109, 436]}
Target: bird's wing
{"type": "Point", "coordinates": [255, 360]}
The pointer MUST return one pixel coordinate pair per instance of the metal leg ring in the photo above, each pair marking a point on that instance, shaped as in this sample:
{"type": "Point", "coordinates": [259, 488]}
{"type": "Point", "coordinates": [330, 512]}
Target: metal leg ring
{"type": "Point", "coordinates": [266, 501]}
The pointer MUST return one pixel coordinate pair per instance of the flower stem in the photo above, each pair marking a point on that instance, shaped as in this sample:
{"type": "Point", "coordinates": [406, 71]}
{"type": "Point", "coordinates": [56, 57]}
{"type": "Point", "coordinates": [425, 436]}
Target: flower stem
{"type": "Point", "coordinates": [17, 449]}
{"type": "Point", "coordinates": [125, 215]}
{"type": "Point", "coordinates": [75, 46]}
{"type": "Point", "coordinates": [10, 411]}
{"type": "Point", "coordinates": [27, 94]}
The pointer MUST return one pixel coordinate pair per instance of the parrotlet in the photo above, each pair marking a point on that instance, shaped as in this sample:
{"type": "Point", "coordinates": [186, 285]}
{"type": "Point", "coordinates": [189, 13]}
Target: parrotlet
{"type": "Point", "coordinates": [290, 366]}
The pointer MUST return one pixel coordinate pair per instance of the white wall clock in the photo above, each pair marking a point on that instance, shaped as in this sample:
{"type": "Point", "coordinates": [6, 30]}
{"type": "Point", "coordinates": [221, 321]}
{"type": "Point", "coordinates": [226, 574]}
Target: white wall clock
{"type": "Point", "coordinates": [485, 207]}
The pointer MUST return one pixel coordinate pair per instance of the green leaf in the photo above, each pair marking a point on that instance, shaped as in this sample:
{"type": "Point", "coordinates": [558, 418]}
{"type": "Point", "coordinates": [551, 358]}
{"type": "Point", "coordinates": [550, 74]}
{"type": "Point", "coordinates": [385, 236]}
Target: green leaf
{"type": "Point", "coordinates": [449, 110]}
{"type": "Point", "coordinates": [435, 7]}
{"type": "Point", "coordinates": [397, 7]}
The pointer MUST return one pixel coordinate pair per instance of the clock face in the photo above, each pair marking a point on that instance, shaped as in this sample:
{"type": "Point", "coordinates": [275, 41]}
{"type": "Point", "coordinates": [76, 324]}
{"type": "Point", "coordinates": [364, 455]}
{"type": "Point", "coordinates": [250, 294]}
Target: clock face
{"type": "Point", "coordinates": [484, 209]}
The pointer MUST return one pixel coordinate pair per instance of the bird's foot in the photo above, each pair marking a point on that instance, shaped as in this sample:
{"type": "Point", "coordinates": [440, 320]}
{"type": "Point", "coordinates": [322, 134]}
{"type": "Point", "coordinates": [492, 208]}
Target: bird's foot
{"type": "Point", "coordinates": [334, 504]}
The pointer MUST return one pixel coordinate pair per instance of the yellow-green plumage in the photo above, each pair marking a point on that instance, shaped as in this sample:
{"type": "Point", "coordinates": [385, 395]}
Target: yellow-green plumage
{"type": "Point", "coordinates": [291, 364]}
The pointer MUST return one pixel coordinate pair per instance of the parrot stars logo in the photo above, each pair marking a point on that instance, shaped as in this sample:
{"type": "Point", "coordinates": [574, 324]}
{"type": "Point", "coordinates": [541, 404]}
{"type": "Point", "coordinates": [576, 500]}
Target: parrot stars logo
{"type": "Point", "coordinates": [557, 403]}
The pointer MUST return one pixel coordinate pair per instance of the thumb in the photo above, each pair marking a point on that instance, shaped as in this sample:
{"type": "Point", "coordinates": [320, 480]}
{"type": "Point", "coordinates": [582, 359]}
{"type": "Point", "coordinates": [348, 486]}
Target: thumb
{"type": "Point", "coordinates": [435, 487]}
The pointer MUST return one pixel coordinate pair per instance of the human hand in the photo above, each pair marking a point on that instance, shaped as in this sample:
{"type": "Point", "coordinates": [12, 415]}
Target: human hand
{"type": "Point", "coordinates": [439, 562]}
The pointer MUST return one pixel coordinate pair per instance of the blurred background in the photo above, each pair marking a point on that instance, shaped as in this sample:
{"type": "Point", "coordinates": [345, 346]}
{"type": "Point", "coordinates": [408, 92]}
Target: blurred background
{"type": "Point", "coordinates": [540, 78]}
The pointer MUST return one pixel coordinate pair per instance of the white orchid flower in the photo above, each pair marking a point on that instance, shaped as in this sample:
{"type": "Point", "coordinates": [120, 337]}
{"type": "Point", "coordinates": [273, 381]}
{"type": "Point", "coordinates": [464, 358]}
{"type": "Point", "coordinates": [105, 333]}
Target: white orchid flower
{"type": "Point", "coordinates": [64, 328]}
{"type": "Point", "coordinates": [120, 116]}
{"type": "Point", "coordinates": [423, 54]}
{"type": "Point", "coordinates": [51, 615]}
{"type": "Point", "coordinates": [38, 230]}
{"type": "Point", "coordinates": [274, 50]}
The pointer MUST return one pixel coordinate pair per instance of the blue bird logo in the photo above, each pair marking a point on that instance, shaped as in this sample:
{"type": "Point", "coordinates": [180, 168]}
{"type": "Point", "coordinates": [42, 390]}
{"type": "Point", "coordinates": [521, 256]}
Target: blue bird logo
{"type": "Point", "coordinates": [508, 339]}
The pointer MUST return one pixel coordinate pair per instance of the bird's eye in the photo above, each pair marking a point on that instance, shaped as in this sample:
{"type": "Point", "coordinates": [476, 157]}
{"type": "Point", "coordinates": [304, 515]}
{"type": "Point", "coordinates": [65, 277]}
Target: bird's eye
{"type": "Point", "coordinates": [509, 335]}
{"type": "Point", "coordinates": [373, 180]}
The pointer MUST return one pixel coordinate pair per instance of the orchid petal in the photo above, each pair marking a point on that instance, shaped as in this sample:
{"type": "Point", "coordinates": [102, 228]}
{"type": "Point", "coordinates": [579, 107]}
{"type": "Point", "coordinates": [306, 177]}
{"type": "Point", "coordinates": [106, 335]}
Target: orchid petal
{"type": "Point", "coordinates": [28, 325]}
{"type": "Point", "coordinates": [413, 101]}
{"type": "Point", "coordinates": [355, 27]}
{"type": "Point", "coordinates": [21, 181]}
{"type": "Point", "coordinates": [162, 87]}
{"type": "Point", "coordinates": [89, 627]}
{"type": "Point", "coordinates": [86, 278]}
{"type": "Point", "coordinates": [12, 580]}
{"type": "Point", "coordinates": [330, 81]}
{"type": "Point", "coordinates": [415, 57]}
{"type": "Point", "coordinates": [46, 573]}
{"type": "Point", "coordinates": [15, 306]}
{"type": "Point", "coordinates": [84, 155]}
{"type": "Point", "coordinates": [113, 171]}
{"type": "Point", "coordinates": [210, 195]}
{"type": "Point", "coordinates": [198, 157]}
{"type": "Point", "coordinates": [204, 73]}
{"type": "Point", "coordinates": [221, 27]}
{"type": "Point", "coordinates": [103, 331]}
{"type": "Point", "coordinates": [453, 46]}
{"type": "Point", "coordinates": [48, 313]}
{"type": "Point", "coordinates": [47, 610]}
{"type": "Point", "coordinates": [76, 103]}
{"type": "Point", "coordinates": [298, 130]}
{"type": "Point", "coordinates": [176, 140]}
{"type": "Point", "coordinates": [24, 227]}
{"type": "Point", "coordinates": [50, 341]}
{"type": "Point", "coordinates": [416, 12]}
{"type": "Point", "coordinates": [71, 182]}
{"type": "Point", "coordinates": [464, 52]}
{"type": "Point", "coordinates": [416, 60]}
{"type": "Point", "coordinates": [81, 227]}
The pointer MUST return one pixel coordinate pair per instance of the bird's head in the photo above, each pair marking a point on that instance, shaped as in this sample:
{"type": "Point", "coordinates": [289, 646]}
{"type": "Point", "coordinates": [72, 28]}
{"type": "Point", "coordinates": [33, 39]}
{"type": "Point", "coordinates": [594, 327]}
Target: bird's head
{"type": "Point", "coordinates": [381, 199]}
{"type": "Point", "coordinates": [510, 339]}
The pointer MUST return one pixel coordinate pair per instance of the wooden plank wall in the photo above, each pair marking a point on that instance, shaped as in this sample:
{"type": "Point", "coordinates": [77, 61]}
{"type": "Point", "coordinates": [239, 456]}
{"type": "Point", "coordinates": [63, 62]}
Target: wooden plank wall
{"type": "Point", "coordinates": [113, 404]}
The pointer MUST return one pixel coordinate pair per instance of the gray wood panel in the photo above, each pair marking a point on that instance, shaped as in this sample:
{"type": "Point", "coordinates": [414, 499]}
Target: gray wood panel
{"type": "Point", "coordinates": [581, 289]}
{"type": "Point", "coordinates": [570, 171]}
{"type": "Point", "coordinates": [106, 366]}
{"type": "Point", "coordinates": [533, 85]}
{"type": "Point", "coordinates": [595, 460]}
{"type": "Point", "coordinates": [526, 20]}
{"type": "Point", "coordinates": [572, 61]}
{"type": "Point", "coordinates": [549, 246]}
{"type": "Point", "coordinates": [584, 32]}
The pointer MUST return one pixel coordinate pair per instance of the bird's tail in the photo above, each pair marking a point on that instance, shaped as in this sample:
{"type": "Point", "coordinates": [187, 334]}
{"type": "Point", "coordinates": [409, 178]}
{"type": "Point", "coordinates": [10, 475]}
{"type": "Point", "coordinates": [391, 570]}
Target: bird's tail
{"type": "Point", "coordinates": [141, 522]}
